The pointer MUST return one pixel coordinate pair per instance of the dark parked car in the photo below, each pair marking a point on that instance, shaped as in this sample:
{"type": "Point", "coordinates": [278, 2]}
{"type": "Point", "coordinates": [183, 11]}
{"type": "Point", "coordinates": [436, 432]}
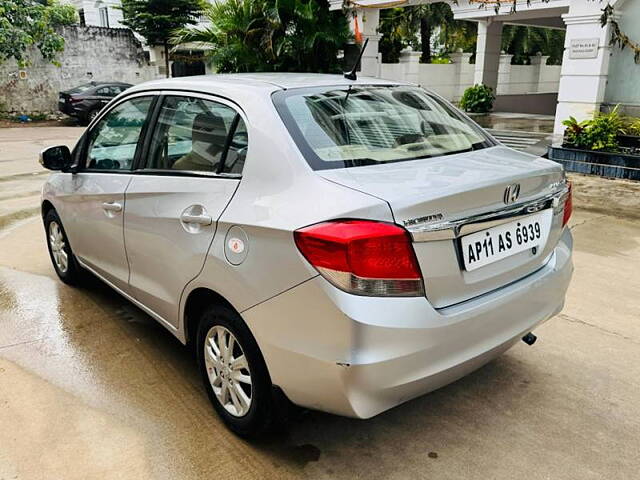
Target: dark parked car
{"type": "Point", "coordinates": [85, 101]}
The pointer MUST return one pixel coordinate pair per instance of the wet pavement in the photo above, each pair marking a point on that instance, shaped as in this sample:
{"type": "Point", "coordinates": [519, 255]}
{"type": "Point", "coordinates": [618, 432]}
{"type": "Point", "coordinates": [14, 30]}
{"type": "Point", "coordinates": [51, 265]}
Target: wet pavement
{"type": "Point", "coordinates": [91, 387]}
{"type": "Point", "coordinates": [516, 122]}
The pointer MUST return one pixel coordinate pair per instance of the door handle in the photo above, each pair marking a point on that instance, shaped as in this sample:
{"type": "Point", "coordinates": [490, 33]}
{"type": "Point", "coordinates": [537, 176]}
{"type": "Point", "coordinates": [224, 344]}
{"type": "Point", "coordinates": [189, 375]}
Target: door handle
{"type": "Point", "coordinates": [197, 219]}
{"type": "Point", "coordinates": [112, 207]}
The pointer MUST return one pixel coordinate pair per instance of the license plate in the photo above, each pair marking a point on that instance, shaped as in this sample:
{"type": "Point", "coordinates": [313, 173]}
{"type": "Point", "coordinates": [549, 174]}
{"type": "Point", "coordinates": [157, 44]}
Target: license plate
{"type": "Point", "coordinates": [493, 244]}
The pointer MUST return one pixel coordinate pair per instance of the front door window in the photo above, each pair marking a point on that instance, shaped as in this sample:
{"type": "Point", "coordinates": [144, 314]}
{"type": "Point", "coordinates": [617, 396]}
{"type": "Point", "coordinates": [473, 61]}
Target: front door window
{"type": "Point", "coordinates": [113, 142]}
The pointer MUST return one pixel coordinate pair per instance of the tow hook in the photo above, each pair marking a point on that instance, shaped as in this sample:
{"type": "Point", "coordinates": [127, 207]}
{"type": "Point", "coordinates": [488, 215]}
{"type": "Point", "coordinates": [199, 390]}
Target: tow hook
{"type": "Point", "coordinates": [529, 339]}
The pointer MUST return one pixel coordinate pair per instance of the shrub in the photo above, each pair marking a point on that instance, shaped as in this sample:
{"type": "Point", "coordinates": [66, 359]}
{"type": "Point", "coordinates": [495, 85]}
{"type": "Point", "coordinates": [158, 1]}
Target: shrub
{"type": "Point", "coordinates": [599, 133]}
{"type": "Point", "coordinates": [477, 99]}
{"type": "Point", "coordinates": [441, 60]}
{"type": "Point", "coordinates": [632, 126]}
{"type": "Point", "coordinates": [574, 133]}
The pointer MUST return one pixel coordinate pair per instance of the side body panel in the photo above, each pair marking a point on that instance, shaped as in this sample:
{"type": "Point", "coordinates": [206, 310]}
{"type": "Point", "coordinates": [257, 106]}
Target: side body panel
{"type": "Point", "coordinates": [278, 194]}
{"type": "Point", "coordinates": [88, 206]}
{"type": "Point", "coordinates": [164, 252]}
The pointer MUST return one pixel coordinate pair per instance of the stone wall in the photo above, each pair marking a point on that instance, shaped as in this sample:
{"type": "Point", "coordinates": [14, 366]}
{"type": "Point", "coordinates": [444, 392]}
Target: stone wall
{"type": "Point", "coordinates": [91, 53]}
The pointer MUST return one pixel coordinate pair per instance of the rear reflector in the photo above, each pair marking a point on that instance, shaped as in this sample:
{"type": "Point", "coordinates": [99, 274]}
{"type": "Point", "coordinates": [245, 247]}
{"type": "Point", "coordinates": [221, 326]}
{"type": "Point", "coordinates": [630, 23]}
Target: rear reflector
{"type": "Point", "coordinates": [568, 205]}
{"type": "Point", "coordinates": [363, 257]}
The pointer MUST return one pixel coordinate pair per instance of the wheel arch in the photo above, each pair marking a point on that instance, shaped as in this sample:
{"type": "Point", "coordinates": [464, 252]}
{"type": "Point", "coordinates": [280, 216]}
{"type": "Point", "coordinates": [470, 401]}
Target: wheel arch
{"type": "Point", "coordinates": [196, 301]}
{"type": "Point", "coordinates": [46, 207]}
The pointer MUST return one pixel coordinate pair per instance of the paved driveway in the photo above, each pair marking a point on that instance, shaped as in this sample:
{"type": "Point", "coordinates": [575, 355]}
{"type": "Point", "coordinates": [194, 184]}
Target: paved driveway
{"type": "Point", "coordinates": [91, 387]}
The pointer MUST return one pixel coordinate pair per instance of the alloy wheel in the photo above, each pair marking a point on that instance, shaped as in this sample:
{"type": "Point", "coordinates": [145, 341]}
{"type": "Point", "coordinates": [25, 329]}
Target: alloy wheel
{"type": "Point", "coordinates": [58, 244]}
{"type": "Point", "coordinates": [228, 371]}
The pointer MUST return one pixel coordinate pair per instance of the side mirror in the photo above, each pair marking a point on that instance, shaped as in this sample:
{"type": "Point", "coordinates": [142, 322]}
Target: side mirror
{"type": "Point", "coordinates": [56, 158]}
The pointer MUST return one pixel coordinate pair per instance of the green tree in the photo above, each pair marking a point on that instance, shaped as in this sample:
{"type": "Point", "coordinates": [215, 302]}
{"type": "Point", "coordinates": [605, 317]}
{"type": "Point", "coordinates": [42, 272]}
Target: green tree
{"type": "Point", "coordinates": [270, 35]}
{"type": "Point", "coordinates": [154, 20]}
{"type": "Point", "coordinates": [398, 30]}
{"type": "Point", "coordinates": [459, 35]}
{"type": "Point", "coordinates": [27, 23]}
{"type": "Point", "coordinates": [415, 26]}
{"type": "Point", "coordinates": [523, 42]}
{"type": "Point", "coordinates": [431, 16]}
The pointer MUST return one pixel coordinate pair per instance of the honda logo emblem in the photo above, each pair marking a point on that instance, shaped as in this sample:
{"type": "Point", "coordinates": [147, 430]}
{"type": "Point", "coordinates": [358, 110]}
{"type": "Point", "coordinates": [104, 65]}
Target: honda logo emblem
{"type": "Point", "coordinates": [512, 193]}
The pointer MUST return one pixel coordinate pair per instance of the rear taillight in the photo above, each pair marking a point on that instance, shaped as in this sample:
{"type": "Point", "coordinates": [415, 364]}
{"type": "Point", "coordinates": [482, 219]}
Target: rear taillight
{"type": "Point", "coordinates": [363, 257]}
{"type": "Point", "coordinates": [75, 99]}
{"type": "Point", "coordinates": [568, 206]}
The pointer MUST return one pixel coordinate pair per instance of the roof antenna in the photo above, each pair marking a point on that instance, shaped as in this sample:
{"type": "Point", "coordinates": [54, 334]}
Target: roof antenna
{"type": "Point", "coordinates": [352, 74]}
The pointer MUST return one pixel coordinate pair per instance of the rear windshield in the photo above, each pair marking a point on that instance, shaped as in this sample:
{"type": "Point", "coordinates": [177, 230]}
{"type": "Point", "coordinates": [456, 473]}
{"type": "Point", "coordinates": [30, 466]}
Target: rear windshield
{"type": "Point", "coordinates": [82, 88]}
{"type": "Point", "coordinates": [340, 127]}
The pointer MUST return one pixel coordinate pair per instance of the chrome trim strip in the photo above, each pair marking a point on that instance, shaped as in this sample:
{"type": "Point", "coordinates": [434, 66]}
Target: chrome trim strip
{"type": "Point", "coordinates": [456, 228]}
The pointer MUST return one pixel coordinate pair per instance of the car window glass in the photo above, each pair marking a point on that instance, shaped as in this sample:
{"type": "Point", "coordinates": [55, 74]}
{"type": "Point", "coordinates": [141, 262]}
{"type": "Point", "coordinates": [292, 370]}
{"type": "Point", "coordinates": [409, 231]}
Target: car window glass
{"type": "Point", "coordinates": [113, 141]}
{"type": "Point", "coordinates": [192, 135]}
{"type": "Point", "coordinates": [237, 150]}
{"type": "Point", "coordinates": [103, 91]}
{"type": "Point", "coordinates": [82, 88]}
{"type": "Point", "coordinates": [341, 127]}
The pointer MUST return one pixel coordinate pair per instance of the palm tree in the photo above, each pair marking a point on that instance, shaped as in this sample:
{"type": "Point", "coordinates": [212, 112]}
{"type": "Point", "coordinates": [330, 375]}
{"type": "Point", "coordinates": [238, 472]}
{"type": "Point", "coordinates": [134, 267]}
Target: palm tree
{"type": "Point", "coordinates": [401, 27]}
{"type": "Point", "coordinates": [523, 42]}
{"type": "Point", "coordinates": [269, 35]}
{"type": "Point", "coordinates": [431, 16]}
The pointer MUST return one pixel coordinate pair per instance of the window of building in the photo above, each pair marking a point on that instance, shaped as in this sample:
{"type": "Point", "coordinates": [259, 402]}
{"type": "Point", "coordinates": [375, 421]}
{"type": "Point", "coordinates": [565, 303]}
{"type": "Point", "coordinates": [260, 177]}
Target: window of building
{"type": "Point", "coordinates": [104, 16]}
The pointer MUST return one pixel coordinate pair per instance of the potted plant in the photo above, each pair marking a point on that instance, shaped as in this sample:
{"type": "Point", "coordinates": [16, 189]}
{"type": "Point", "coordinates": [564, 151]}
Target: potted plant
{"type": "Point", "coordinates": [605, 145]}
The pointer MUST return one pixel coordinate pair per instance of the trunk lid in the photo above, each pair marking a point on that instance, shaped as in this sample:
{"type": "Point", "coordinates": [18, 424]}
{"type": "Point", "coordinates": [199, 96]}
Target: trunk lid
{"type": "Point", "coordinates": [454, 188]}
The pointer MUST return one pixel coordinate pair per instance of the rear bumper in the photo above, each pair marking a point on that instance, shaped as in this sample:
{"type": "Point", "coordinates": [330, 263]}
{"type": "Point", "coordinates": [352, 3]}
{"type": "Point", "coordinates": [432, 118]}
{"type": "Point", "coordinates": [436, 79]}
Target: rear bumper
{"type": "Point", "coordinates": [67, 109]}
{"type": "Point", "coordinates": [358, 356]}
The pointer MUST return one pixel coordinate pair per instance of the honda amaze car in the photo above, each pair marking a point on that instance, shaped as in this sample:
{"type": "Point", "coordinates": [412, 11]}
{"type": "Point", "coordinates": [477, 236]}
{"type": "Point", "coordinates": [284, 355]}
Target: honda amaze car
{"type": "Point", "coordinates": [346, 245]}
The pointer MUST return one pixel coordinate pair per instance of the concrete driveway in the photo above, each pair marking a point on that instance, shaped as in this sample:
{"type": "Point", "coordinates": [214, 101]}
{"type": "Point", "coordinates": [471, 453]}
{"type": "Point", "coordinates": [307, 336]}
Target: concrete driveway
{"type": "Point", "coordinates": [91, 387]}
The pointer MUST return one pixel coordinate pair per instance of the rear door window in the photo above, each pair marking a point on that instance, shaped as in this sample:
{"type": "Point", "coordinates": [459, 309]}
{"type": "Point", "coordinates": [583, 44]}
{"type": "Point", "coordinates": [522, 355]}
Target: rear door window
{"type": "Point", "coordinates": [198, 135]}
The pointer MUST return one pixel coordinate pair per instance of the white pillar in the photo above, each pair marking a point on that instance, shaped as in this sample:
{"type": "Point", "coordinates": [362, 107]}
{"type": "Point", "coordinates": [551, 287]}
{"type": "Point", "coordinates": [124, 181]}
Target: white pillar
{"type": "Point", "coordinates": [488, 53]}
{"type": "Point", "coordinates": [464, 72]}
{"type": "Point", "coordinates": [504, 75]}
{"type": "Point", "coordinates": [584, 69]}
{"type": "Point", "coordinates": [411, 62]}
{"type": "Point", "coordinates": [368, 20]}
{"type": "Point", "coordinates": [540, 62]}
{"type": "Point", "coordinates": [156, 58]}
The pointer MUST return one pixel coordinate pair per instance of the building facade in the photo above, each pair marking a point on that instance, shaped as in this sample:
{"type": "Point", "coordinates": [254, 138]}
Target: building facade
{"type": "Point", "coordinates": [98, 13]}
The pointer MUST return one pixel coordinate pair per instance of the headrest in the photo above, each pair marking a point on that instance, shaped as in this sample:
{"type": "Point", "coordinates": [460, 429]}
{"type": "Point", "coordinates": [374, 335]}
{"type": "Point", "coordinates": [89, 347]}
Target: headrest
{"type": "Point", "coordinates": [209, 128]}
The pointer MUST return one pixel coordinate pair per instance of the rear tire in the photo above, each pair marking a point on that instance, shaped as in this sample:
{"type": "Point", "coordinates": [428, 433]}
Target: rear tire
{"type": "Point", "coordinates": [89, 116]}
{"type": "Point", "coordinates": [62, 257]}
{"type": "Point", "coordinates": [236, 379]}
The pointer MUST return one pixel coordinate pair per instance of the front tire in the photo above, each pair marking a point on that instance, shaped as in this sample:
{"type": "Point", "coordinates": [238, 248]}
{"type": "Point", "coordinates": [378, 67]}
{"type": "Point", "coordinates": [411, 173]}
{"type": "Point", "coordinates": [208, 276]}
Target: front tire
{"type": "Point", "coordinates": [62, 257]}
{"type": "Point", "coordinates": [234, 373]}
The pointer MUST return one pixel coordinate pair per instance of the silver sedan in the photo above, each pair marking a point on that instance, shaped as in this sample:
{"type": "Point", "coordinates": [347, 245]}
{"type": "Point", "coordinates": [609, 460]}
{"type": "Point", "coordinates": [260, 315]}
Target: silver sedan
{"type": "Point", "coordinates": [344, 245]}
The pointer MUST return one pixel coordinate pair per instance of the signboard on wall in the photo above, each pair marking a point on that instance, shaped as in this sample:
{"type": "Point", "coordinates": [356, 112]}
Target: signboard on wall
{"type": "Point", "coordinates": [584, 48]}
